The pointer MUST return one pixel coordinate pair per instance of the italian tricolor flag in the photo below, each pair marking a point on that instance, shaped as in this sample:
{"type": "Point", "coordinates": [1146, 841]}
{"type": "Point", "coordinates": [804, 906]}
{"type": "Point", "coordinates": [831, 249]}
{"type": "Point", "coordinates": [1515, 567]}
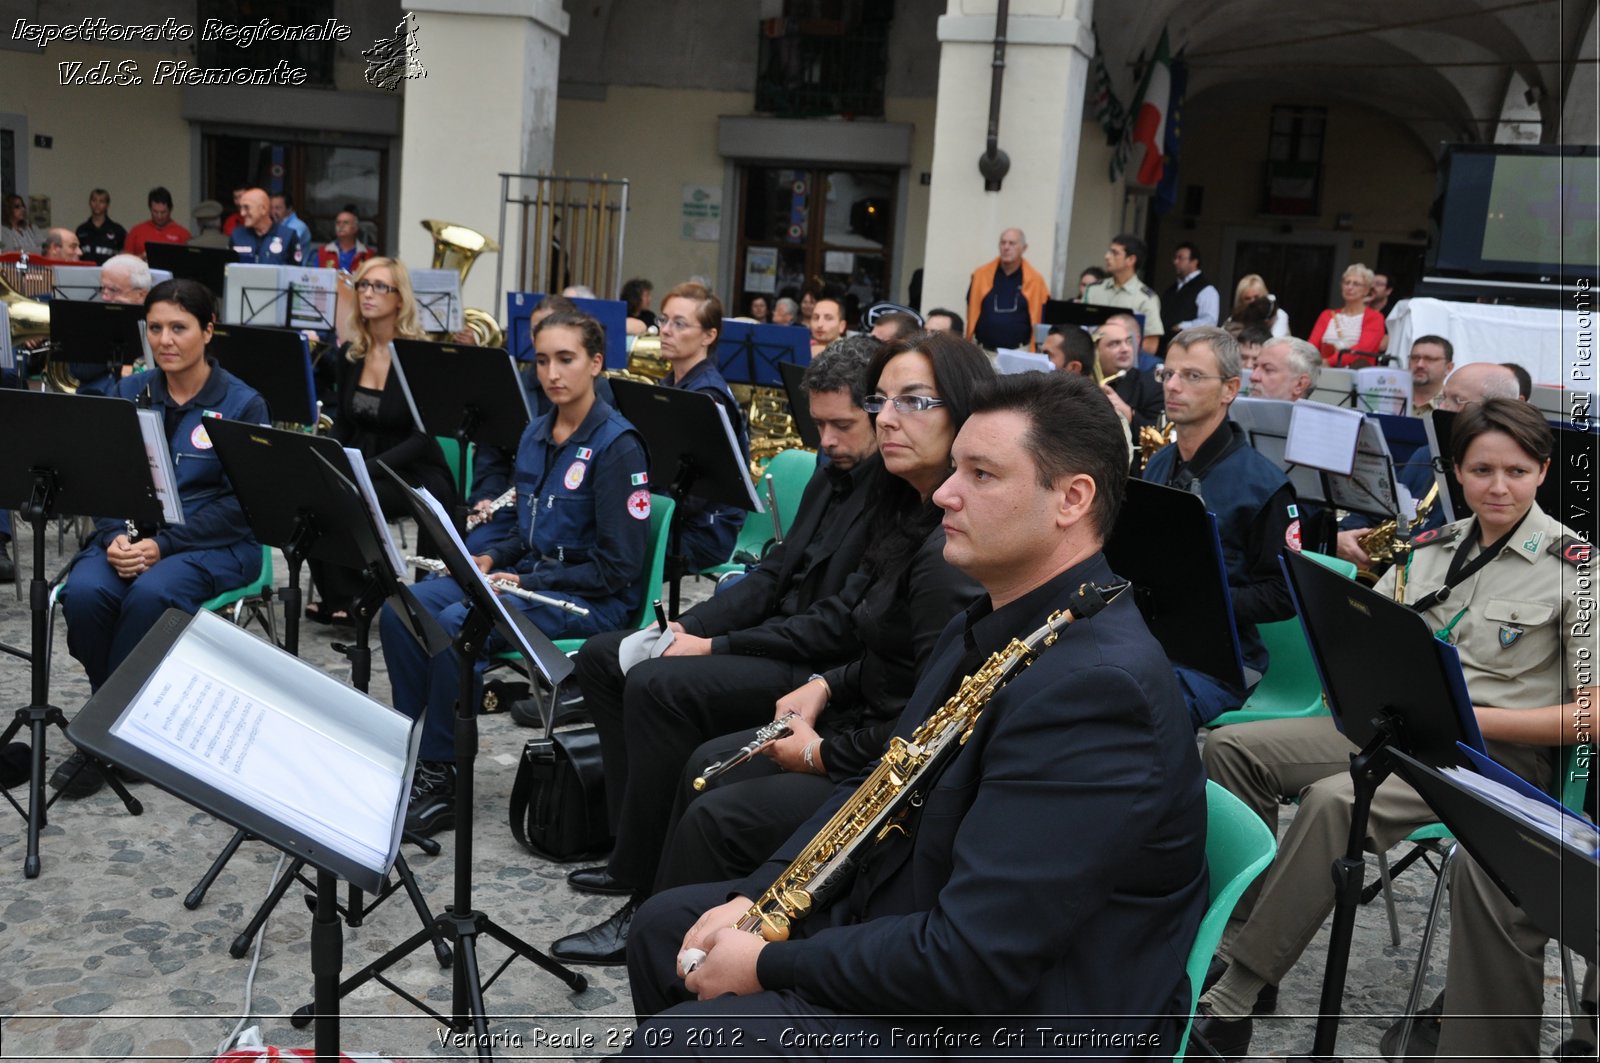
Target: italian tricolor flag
{"type": "Point", "coordinates": [1147, 129]}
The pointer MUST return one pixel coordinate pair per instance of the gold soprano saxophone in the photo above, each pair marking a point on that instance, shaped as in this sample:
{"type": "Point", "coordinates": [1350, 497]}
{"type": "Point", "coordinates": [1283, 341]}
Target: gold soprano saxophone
{"type": "Point", "coordinates": [1383, 543]}
{"type": "Point", "coordinates": [828, 862]}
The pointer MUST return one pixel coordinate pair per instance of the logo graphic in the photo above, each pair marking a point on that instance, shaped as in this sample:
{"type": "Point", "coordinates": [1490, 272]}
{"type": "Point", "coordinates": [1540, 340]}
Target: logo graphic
{"type": "Point", "coordinates": [392, 60]}
{"type": "Point", "coordinates": [199, 438]}
{"type": "Point", "coordinates": [574, 477]}
{"type": "Point", "coordinates": [639, 505]}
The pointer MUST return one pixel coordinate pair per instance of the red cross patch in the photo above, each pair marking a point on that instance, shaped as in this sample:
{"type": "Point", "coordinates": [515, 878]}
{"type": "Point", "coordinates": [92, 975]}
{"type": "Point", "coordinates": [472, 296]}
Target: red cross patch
{"type": "Point", "coordinates": [639, 505]}
{"type": "Point", "coordinates": [1291, 536]}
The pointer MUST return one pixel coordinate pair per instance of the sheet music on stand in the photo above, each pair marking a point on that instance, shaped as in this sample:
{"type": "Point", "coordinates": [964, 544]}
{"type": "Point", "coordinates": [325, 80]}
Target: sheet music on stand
{"type": "Point", "coordinates": [235, 725]}
{"type": "Point", "coordinates": [254, 295]}
{"type": "Point", "coordinates": [80, 283]}
{"type": "Point", "coordinates": [313, 297]}
{"type": "Point", "coordinates": [1380, 389]}
{"type": "Point", "coordinates": [1266, 425]}
{"type": "Point", "coordinates": [162, 471]}
{"type": "Point", "coordinates": [1323, 437]}
{"type": "Point", "coordinates": [1371, 487]}
{"type": "Point", "coordinates": [363, 481]}
{"type": "Point", "coordinates": [438, 293]}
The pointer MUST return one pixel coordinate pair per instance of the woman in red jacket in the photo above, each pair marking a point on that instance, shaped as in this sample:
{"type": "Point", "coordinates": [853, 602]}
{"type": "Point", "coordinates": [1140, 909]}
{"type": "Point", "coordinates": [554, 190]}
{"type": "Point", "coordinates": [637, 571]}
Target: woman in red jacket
{"type": "Point", "coordinates": [1352, 336]}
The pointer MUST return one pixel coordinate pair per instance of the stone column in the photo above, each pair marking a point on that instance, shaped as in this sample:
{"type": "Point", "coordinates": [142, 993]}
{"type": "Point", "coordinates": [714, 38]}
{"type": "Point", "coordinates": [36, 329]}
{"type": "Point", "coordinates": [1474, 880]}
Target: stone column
{"type": "Point", "coordinates": [486, 105]}
{"type": "Point", "coordinates": [1048, 50]}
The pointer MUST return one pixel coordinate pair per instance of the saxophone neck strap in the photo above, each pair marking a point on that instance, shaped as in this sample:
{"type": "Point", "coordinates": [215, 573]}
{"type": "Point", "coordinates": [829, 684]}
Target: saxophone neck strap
{"type": "Point", "coordinates": [1090, 598]}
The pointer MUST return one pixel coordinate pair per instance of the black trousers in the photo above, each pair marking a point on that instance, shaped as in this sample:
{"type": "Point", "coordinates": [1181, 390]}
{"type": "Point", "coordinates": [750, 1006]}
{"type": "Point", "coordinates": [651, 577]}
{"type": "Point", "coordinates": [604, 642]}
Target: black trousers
{"type": "Point", "coordinates": [740, 819]}
{"type": "Point", "coordinates": [650, 724]}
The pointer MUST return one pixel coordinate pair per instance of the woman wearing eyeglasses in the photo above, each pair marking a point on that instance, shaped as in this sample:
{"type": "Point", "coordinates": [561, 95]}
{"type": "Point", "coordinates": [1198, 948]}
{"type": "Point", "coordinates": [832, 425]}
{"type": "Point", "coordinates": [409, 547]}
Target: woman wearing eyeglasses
{"type": "Point", "coordinates": [371, 414]}
{"type": "Point", "coordinates": [865, 646]}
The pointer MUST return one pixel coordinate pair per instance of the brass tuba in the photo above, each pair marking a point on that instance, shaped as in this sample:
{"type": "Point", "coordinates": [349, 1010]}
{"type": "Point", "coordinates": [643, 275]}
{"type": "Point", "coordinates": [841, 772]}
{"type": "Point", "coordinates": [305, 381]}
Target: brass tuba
{"type": "Point", "coordinates": [457, 247]}
{"type": "Point", "coordinates": [30, 322]}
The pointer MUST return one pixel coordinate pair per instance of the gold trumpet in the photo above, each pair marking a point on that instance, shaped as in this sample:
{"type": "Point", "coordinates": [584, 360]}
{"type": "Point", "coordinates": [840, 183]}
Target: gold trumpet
{"type": "Point", "coordinates": [1384, 546]}
{"type": "Point", "coordinates": [457, 247]}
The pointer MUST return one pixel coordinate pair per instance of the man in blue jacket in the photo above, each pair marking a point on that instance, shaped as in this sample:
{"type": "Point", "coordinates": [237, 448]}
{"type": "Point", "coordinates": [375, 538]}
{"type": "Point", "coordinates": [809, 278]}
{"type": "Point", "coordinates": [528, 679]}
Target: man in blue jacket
{"type": "Point", "coordinates": [1054, 869]}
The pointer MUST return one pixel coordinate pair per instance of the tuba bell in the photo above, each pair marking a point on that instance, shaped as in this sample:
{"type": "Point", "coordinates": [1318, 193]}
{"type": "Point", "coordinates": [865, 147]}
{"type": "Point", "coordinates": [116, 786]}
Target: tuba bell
{"type": "Point", "coordinates": [30, 323]}
{"type": "Point", "coordinates": [457, 247]}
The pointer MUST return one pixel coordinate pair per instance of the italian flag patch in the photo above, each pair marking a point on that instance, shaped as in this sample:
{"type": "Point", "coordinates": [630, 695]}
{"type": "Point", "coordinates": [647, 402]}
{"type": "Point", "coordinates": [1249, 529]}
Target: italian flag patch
{"type": "Point", "coordinates": [640, 478]}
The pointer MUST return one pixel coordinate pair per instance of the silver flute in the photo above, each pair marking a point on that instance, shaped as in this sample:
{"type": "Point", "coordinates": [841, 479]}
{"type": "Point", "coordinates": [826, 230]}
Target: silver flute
{"type": "Point", "coordinates": [782, 727]}
{"type": "Point", "coordinates": [433, 564]}
{"type": "Point", "coordinates": [481, 516]}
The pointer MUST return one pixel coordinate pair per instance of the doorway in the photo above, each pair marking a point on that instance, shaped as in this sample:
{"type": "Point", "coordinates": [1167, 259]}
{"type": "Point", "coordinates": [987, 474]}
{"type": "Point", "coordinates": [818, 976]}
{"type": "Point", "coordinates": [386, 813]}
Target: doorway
{"type": "Point", "coordinates": [828, 227]}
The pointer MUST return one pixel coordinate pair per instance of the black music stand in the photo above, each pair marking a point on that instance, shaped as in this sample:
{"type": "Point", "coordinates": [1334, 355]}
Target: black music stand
{"type": "Point", "coordinates": [98, 334]}
{"type": "Point", "coordinates": [208, 265]}
{"type": "Point", "coordinates": [1395, 688]}
{"type": "Point", "coordinates": [1555, 884]}
{"type": "Point", "coordinates": [59, 462]}
{"type": "Point", "coordinates": [105, 727]}
{"type": "Point", "coordinates": [1166, 544]}
{"type": "Point", "coordinates": [460, 922]}
{"type": "Point", "coordinates": [471, 394]}
{"type": "Point", "coordinates": [748, 353]}
{"type": "Point", "coordinates": [800, 404]}
{"type": "Point", "coordinates": [274, 361]}
{"type": "Point", "coordinates": [1072, 312]}
{"type": "Point", "coordinates": [296, 494]}
{"type": "Point", "coordinates": [693, 451]}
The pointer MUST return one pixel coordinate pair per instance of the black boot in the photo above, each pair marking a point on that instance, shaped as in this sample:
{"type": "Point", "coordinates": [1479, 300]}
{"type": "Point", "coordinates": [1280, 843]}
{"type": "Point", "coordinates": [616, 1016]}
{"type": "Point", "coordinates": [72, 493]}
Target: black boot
{"type": "Point", "coordinates": [431, 807]}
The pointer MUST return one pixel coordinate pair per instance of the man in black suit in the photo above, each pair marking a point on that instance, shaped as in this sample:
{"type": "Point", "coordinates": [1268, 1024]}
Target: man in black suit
{"type": "Point", "coordinates": [1055, 867]}
{"type": "Point", "coordinates": [1134, 393]}
{"type": "Point", "coordinates": [706, 661]}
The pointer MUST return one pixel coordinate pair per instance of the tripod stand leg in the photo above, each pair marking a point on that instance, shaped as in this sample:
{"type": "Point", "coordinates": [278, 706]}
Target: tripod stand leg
{"type": "Point", "coordinates": [469, 990]}
{"type": "Point", "coordinates": [30, 863]}
{"type": "Point", "coordinates": [241, 944]}
{"type": "Point", "coordinates": [575, 981]}
{"type": "Point", "coordinates": [118, 787]}
{"type": "Point", "coordinates": [441, 947]}
{"type": "Point", "coordinates": [198, 894]}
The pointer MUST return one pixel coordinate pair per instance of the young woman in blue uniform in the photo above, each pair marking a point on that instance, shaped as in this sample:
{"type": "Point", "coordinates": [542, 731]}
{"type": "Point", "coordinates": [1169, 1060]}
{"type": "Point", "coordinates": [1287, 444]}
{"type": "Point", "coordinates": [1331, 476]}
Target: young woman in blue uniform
{"type": "Point", "coordinates": [120, 584]}
{"type": "Point", "coordinates": [691, 322]}
{"type": "Point", "coordinates": [582, 534]}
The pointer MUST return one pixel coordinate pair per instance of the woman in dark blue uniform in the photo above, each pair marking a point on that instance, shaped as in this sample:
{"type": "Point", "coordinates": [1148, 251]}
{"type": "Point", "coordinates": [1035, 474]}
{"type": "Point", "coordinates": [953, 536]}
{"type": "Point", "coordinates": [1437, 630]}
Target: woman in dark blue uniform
{"type": "Point", "coordinates": [582, 534]}
{"type": "Point", "coordinates": [121, 583]}
{"type": "Point", "coordinates": [691, 322]}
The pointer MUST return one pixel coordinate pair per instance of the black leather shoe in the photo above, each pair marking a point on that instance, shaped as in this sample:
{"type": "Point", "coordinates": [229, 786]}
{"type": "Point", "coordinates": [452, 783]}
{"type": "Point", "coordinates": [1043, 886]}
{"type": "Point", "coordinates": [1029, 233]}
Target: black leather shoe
{"type": "Point", "coordinates": [431, 807]}
{"type": "Point", "coordinates": [75, 781]}
{"type": "Point", "coordinates": [597, 880]}
{"type": "Point", "coordinates": [1424, 1033]}
{"type": "Point", "coordinates": [1227, 1038]}
{"type": "Point", "coordinates": [605, 943]}
{"type": "Point", "coordinates": [1266, 1000]}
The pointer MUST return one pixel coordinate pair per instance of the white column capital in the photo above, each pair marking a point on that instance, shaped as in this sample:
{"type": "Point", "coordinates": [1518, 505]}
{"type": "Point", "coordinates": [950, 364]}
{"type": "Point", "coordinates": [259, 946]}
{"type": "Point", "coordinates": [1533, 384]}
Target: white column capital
{"type": "Point", "coordinates": [547, 13]}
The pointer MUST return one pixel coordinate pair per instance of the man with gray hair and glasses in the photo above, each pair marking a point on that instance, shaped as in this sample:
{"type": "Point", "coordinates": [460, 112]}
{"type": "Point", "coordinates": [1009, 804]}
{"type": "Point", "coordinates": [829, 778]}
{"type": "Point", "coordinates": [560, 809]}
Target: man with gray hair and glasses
{"type": "Point", "coordinates": [1286, 369]}
{"type": "Point", "coordinates": [123, 279]}
{"type": "Point", "coordinates": [1253, 502]}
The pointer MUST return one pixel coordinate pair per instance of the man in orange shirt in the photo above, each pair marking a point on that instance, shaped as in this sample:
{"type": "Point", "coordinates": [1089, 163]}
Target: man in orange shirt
{"type": "Point", "coordinates": [1006, 297]}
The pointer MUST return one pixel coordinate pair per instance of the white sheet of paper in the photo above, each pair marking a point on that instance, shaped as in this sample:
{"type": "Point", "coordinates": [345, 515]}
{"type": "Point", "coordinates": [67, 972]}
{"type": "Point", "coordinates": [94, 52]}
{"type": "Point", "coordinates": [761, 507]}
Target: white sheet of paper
{"type": "Point", "coordinates": [744, 468]}
{"type": "Point", "coordinates": [313, 298]}
{"type": "Point", "coordinates": [1546, 819]}
{"type": "Point", "coordinates": [156, 452]}
{"type": "Point", "coordinates": [254, 295]}
{"type": "Point", "coordinates": [358, 466]}
{"type": "Point", "coordinates": [1323, 437]}
{"type": "Point", "coordinates": [1013, 361]}
{"type": "Point", "coordinates": [314, 754]}
{"type": "Point", "coordinates": [438, 294]}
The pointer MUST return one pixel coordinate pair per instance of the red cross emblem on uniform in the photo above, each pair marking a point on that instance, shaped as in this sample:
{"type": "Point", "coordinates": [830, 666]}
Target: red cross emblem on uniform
{"type": "Point", "coordinates": [639, 505]}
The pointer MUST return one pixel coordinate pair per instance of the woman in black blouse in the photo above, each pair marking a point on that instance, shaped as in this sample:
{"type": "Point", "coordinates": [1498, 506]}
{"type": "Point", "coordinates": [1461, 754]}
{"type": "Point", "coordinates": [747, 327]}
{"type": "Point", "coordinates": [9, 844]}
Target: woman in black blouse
{"type": "Point", "coordinates": [372, 414]}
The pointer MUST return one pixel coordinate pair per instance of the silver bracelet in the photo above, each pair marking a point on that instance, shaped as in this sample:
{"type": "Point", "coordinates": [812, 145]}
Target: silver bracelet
{"type": "Point", "coordinates": [807, 756]}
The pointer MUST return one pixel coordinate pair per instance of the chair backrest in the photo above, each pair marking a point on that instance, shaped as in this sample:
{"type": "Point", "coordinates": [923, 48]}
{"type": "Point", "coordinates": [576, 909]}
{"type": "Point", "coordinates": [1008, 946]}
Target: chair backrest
{"type": "Point", "coordinates": [661, 508]}
{"type": "Point", "coordinates": [1345, 568]}
{"type": "Point", "coordinates": [790, 470]}
{"type": "Point", "coordinates": [1238, 848]}
{"type": "Point", "coordinates": [452, 458]}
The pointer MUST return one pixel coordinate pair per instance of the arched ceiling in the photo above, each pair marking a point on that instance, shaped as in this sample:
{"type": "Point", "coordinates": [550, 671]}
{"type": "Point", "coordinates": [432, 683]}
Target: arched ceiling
{"type": "Point", "coordinates": [1439, 67]}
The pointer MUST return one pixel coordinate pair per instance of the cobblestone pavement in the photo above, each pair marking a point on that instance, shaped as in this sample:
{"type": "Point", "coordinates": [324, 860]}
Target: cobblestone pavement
{"type": "Point", "coordinates": [99, 959]}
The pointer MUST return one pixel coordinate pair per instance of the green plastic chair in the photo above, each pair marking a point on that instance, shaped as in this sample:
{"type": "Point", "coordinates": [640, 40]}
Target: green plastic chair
{"type": "Point", "coordinates": [661, 508]}
{"type": "Point", "coordinates": [790, 470]}
{"type": "Point", "coordinates": [252, 601]}
{"type": "Point", "coordinates": [1291, 687]}
{"type": "Point", "coordinates": [452, 458]}
{"type": "Point", "coordinates": [1238, 848]}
